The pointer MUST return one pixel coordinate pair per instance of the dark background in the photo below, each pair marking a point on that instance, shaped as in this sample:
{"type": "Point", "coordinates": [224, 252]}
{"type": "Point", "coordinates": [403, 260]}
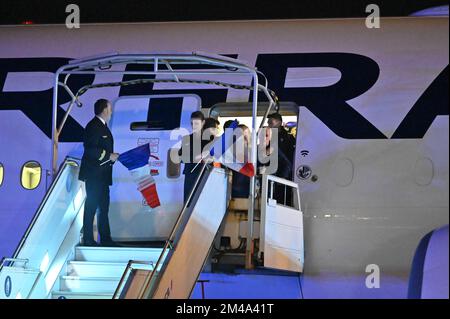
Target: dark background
{"type": "Point", "coordinates": [50, 12]}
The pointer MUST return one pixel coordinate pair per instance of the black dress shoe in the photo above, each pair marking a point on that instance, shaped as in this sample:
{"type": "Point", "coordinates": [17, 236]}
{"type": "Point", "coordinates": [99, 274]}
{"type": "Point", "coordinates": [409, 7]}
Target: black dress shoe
{"type": "Point", "coordinates": [109, 243]}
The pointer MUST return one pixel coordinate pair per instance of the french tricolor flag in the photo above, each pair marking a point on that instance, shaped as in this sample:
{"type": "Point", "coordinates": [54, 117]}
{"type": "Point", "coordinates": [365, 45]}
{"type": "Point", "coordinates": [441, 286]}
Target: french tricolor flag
{"type": "Point", "coordinates": [224, 152]}
{"type": "Point", "coordinates": [137, 162]}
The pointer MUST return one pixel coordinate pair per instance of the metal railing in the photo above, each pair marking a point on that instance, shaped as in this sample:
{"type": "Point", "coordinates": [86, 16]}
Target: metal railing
{"type": "Point", "coordinates": [131, 265]}
{"type": "Point", "coordinates": [68, 161]}
{"type": "Point", "coordinates": [269, 183]}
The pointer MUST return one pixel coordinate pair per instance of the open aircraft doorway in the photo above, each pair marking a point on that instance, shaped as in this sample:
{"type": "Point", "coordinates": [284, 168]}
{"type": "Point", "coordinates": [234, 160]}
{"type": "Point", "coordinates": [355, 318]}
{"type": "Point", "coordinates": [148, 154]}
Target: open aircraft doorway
{"type": "Point", "coordinates": [241, 112]}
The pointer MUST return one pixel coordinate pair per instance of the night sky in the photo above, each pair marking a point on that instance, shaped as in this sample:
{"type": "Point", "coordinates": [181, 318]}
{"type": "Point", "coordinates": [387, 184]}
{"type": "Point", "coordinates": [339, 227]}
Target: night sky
{"type": "Point", "coordinates": [44, 11]}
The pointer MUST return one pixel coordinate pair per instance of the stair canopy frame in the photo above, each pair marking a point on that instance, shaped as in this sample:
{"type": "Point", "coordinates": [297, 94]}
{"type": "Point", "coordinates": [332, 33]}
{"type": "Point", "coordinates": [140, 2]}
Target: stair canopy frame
{"type": "Point", "coordinates": [163, 65]}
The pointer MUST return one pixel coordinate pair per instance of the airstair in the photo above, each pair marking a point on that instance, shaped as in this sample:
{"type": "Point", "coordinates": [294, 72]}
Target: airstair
{"type": "Point", "coordinates": [184, 255]}
{"type": "Point", "coordinates": [50, 263]}
{"type": "Point", "coordinates": [95, 272]}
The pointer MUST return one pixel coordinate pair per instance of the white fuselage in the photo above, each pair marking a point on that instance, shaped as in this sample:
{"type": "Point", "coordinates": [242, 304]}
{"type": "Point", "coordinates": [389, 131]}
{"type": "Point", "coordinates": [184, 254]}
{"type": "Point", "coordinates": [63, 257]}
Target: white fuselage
{"type": "Point", "coordinates": [376, 179]}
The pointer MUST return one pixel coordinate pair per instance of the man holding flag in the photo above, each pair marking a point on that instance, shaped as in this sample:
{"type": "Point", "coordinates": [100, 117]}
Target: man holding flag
{"type": "Point", "coordinates": [190, 152]}
{"type": "Point", "coordinates": [96, 172]}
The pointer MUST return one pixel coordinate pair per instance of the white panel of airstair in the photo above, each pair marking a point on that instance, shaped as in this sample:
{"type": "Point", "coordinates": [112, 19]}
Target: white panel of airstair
{"type": "Point", "coordinates": [80, 295]}
{"type": "Point", "coordinates": [281, 231]}
{"type": "Point", "coordinates": [95, 268]}
{"type": "Point", "coordinates": [178, 278]}
{"type": "Point", "coordinates": [96, 271]}
{"type": "Point", "coordinates": [89, 284]}
{"type": "Point", "coordinates": [116, 254]}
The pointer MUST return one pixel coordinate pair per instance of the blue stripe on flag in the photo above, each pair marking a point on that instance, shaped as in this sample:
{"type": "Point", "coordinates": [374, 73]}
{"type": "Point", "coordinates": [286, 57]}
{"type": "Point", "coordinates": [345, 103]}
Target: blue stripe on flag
{"type": "Point", "coordinates": [136, 157]}
{"type": "Point", "coordinates": [223, 138]}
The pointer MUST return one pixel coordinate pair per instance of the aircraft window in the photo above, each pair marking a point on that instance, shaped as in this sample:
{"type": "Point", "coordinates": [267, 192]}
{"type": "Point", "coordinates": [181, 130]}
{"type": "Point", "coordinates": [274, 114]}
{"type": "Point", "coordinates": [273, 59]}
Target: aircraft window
{"type": "Point", "coordinates": [31, 175]}
{"type": "Point", "coordinates": [1, 174]}
{"type": "Point", "coordinates": [173, 169]}
{"type": "Point", "coordinates": [163, 114]}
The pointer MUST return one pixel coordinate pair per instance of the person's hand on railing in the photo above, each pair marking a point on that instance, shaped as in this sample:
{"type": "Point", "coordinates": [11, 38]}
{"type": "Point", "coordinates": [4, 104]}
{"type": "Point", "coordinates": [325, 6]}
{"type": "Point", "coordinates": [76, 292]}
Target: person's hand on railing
{"type": "Point", "coordinates": [113, 157]}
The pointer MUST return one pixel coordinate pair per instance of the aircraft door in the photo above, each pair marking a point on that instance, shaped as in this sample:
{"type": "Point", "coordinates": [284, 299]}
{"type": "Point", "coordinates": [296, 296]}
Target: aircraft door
{"type": "Point", "coordinates": [138, 120]}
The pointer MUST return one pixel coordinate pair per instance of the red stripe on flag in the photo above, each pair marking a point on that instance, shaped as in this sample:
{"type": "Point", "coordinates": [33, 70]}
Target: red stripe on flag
{"type": "Point", "coordinates": [248, 170]}
{"type": "Point", "coordinates": [151, 196]}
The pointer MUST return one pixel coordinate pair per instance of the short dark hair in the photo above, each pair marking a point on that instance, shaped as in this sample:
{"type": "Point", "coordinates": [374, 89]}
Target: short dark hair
{"type": "Point", "coordinates": [100, 105]}
{"type": "Point", "coordinates": [228, 123]}
{"type": "Point", "coordinates": [211, 122]}
{"type": "Point", "coordinates": [198, 115]}
{"type": "Point", "coordinates": [275, 116]}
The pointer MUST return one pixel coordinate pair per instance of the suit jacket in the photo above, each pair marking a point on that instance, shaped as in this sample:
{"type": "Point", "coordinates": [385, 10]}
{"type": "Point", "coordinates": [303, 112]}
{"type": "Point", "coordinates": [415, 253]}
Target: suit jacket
{"type": "Point", "coordinates": [284, 168]}
{"type": "Point", "coordinates": [286, 142]}
{"type": "Point", "coordinates": [98, 144]}
{"type": "Point", "coordinates": [189, 153]}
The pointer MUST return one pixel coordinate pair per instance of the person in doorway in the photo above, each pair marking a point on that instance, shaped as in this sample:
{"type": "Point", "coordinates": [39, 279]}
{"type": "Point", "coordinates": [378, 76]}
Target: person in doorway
{"type": "Point", "coordinates": [283, 168]}
{"type": "Point", "coordinates": [191, 152]}
{"type": "Point", "coordinates": [228, 123]}
{"type": "Point", "coordinates": [240, 185]}
{"type": "Point", "coordinates": [96, 171]}
{"type": "Point", "coordinates": [211, 129]}
{"type": "Point", "coordinates": [286, 142]}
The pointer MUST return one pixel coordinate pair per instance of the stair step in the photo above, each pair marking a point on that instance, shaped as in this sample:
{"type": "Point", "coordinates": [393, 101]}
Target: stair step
{"type": "Point", "coordinates": [89, 284]}
{"type": "Point", "coordinates": [80, 295]}
{"type": "Point", "coordinates": [95, 269]}
{"type": "Point", "coordinates": [116, 254]}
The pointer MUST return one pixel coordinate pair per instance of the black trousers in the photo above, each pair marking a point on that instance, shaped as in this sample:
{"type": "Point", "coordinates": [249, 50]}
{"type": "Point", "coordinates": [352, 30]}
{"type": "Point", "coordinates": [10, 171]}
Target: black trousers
{"type": "Point", "coordinates": [97, 196]}
{"type": "Point", "coordinates": [190, 177]}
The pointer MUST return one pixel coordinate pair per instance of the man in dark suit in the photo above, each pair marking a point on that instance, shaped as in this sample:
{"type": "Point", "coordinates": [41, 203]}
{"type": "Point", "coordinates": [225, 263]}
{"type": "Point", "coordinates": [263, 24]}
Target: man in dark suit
{"type": "Point", "coordinates": [286, 142]}
{"type": "Point", "coordinates": [283, 169]}
{"type": "Point", "coordinates": [96, 172]}
{"type": "Point", "coordinates": [191, 152]}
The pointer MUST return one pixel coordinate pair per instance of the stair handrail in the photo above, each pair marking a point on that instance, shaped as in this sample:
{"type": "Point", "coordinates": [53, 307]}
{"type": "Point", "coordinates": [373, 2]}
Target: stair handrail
{"type": "Point", "coordinates": [68, 160]}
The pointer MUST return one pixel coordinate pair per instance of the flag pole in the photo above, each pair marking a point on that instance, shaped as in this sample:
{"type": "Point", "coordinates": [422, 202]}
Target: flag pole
{"type": "Point", "coordinates": [251, 199]}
